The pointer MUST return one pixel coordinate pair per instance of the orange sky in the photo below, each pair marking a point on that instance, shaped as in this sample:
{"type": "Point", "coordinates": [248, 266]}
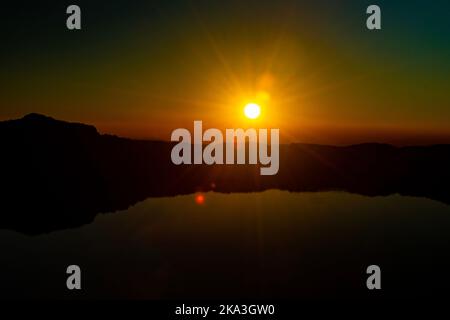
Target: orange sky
{"type": "Point", "coordinates": [319, 75]}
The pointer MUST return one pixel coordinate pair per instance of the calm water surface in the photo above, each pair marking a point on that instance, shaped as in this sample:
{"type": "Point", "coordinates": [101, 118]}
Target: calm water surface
{"type": "Point", "coordinates": [269, 244]}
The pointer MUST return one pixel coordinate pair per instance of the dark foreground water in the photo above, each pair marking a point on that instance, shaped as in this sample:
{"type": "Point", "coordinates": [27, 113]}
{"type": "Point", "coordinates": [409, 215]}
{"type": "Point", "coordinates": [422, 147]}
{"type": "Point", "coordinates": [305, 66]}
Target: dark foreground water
{"type": "Point", "coordinates": [270, 244]}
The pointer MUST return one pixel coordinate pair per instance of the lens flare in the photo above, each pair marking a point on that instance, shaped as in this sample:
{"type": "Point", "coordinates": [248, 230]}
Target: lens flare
{"type": "Point", "coordinates": [200, 199]}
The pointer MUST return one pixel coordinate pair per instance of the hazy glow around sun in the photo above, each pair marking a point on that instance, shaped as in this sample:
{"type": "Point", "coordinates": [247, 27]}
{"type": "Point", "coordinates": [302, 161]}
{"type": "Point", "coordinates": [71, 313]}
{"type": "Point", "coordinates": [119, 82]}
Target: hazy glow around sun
{"type": "Point", "coordinates": [252, 110]}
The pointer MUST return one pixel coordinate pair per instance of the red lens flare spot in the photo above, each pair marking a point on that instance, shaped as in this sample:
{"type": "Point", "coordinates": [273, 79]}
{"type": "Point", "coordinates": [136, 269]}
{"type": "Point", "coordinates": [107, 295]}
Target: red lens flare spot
{"type": "Point", "coordinates": [200, 199]}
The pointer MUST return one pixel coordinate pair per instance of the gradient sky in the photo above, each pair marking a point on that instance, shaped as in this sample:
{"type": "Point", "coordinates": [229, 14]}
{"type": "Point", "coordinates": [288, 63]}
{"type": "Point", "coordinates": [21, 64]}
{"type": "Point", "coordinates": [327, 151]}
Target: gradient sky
{"type": "Point", "coordinates": [143, 68]}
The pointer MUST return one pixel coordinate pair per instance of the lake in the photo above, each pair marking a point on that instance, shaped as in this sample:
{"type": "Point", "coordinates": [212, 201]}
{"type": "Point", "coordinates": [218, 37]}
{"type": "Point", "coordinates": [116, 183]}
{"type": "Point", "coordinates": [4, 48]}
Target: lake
{"type": "Point", "coordinates": [272, 244]}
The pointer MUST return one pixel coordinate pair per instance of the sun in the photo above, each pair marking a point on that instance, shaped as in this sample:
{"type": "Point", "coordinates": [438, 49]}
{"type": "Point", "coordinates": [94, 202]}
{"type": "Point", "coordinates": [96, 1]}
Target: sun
{"type": "Point", "coordinates": [252, 110]}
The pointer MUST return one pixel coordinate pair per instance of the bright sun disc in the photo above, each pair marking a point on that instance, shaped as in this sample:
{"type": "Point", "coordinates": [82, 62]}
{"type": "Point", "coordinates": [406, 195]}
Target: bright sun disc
{"type": "Point", "coordinates": [252, 111]}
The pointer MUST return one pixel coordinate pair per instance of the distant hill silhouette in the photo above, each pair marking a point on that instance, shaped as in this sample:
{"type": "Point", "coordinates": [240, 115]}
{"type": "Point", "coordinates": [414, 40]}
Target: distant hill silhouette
{"type": "Point", "coordinates": [59, 175]}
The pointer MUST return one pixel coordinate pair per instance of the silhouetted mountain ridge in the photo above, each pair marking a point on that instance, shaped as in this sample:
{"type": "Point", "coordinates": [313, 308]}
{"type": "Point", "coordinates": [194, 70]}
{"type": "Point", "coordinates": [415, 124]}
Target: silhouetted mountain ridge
{"type": "Point", "coordinates": [60, 174]}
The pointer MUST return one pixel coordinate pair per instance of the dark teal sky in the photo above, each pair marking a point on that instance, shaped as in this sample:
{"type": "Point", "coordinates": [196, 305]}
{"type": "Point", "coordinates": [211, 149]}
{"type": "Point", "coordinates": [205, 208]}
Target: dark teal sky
{"type": "Point", "coordinates": [142, 69]}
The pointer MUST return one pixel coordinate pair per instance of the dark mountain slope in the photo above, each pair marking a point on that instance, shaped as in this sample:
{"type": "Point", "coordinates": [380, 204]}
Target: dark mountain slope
{"type": "Point", "coordinates": [59, 175]}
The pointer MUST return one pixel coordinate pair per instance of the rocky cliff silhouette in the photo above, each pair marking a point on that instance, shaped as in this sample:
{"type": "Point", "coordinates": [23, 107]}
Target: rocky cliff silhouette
{"type": "Point", "coordinates": [58, 175]}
